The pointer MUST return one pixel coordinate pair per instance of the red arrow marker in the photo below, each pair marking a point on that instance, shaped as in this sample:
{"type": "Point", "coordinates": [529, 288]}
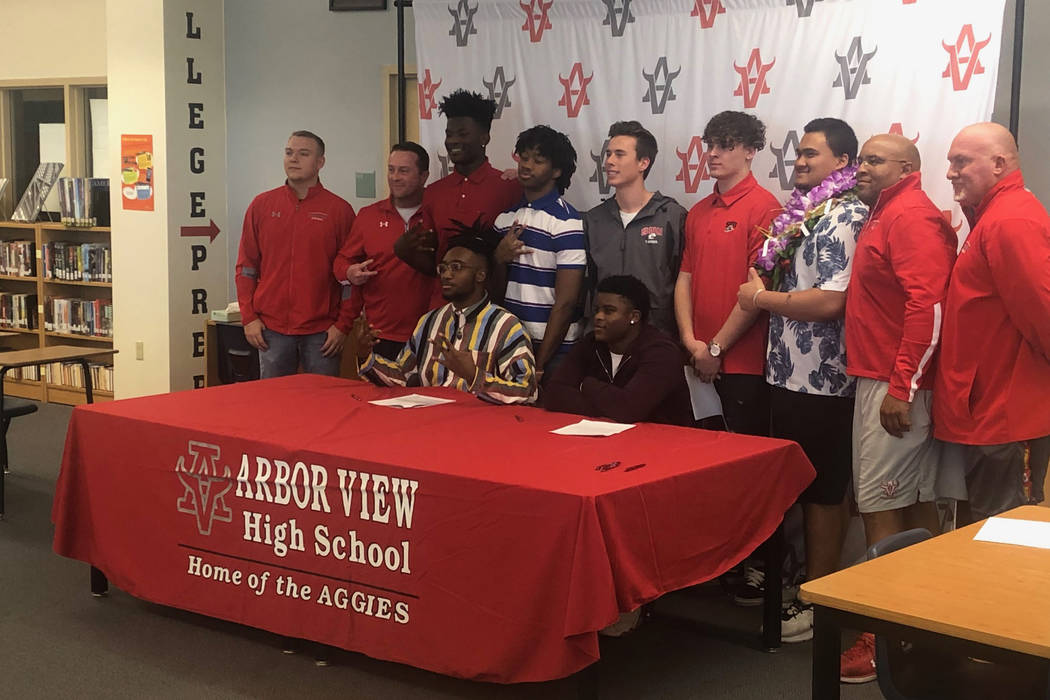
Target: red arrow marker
{"type": "Point", "coordinates": [211, 230]}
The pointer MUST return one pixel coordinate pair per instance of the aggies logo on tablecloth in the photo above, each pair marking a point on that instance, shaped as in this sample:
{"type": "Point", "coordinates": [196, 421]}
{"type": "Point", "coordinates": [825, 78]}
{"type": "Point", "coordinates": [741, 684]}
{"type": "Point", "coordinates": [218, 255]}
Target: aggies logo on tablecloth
{"type": "Point", "coordinates": [499, 90]}
{"type": "Point", "coordinates": [660, 91]}
{"type": "Point", "coordinates": [617, 16]}
{"type": "Point", "coordinates": [204, 488]}
{"type": "Point", "coordinates": [964, 58]}
{"type": "Point", "coordinates": [753, 79]}
{"type": "Point", "coordinates": [463, 22]}
{"type": "Point", "coordinates": [426, 90]}
{"type": "Point", "coordinates": [707, 10]}
{"type": "Point", "coordinates": [804, 7]}
{"type": "Point", "coordinates": [784, 170]}
{"type": "Point", "coordinates": [853, 69]}
{"type": "Point", "coordinates": [694, 165]}
{"type": "Point", "coordinates": [536, 19]}
{"type": "Point", "coordinates": [575, 85]}
{"type": "Point", "coordinates": [600, 176]}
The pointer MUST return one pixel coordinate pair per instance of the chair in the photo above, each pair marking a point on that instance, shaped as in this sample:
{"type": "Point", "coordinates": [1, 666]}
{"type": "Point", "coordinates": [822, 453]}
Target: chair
{"type": "Point", "coordinates": [12, 409]}
{"type": "Point", "coordinates": [919, 672]}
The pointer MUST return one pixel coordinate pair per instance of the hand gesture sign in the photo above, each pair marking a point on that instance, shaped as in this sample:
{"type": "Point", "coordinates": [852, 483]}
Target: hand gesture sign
{"type": "Point", "coordinates": [510, 246]}
{"type": "Point", "coordinates": [459, 362]}
{"type": "Point", "coordinates": [358, 273]}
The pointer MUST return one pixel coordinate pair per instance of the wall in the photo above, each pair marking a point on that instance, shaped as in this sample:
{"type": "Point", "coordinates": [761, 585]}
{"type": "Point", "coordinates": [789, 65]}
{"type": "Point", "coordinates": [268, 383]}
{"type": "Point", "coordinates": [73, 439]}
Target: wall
{"type": "Point", "coordinates": [23, 23]}
{"type": "Point", "coordinates": [295, 65]}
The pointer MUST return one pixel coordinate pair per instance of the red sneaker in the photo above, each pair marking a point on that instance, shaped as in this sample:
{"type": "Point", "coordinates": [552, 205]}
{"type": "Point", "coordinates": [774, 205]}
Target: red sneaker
{"type": "Point", "coordinates": [857, 664]}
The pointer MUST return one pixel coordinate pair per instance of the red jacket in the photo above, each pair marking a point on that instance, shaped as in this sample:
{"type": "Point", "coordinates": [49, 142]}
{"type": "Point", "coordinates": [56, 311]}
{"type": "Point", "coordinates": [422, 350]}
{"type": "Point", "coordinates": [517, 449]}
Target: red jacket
{"type": "Point", "coordinates": [994, 372]}
{"type": "Point", "coordinates": [895, 300]}
{"type": "Point", "coordinates": [284, 267]}
{"type": "Point", "coordinates": [396, 297]}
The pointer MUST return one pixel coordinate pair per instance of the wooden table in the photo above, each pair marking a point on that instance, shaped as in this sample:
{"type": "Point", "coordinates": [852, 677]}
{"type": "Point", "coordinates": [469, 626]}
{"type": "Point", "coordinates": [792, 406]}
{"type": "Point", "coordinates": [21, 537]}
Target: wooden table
{"type": "Point", "coordinates": [982, 599]}
{"type": "Point", "coordinates": [42, 356]}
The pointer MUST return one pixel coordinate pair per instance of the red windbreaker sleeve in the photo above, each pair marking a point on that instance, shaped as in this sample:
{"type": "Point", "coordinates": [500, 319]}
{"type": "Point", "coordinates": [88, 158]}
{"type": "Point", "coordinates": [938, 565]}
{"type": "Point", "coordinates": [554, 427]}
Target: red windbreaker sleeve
{"type": "Point", "coordinates": [247, 271]}
{"type": "Point", "coordinates": [1019, 256]}
{"type": "Point", "coordinates": [922, 252]}
{"type": "Point", "coordinates": [352, 251]}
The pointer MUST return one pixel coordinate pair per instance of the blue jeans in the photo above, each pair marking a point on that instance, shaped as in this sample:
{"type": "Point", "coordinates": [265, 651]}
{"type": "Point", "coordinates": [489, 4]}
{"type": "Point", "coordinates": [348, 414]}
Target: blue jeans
{"type": "Point", "coordinates": [287, 352]}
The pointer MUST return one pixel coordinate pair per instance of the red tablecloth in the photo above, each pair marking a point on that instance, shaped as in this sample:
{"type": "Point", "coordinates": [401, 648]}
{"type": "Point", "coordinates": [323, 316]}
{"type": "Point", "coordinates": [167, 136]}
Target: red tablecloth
{"type": "Point", "coordinates": [478, 545]}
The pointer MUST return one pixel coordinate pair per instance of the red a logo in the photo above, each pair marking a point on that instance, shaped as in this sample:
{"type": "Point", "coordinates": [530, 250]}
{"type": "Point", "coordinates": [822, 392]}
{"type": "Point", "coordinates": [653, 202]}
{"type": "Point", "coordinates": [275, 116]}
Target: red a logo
{"type": "Point", "coordinates": [964, 60]}
{"type": "Point", "coordinates": [897, 129]}
{"type": "Point", "coordinates": [947, 213]}
{"type": "Point", "coordinates": [694, 165]}
{"type": "Point", "coordinates": [707, 10]}
{"type": "Point", "coordinates": [536, 19]}
{"type": "Point", "coordinates": [752, 79]}
{"type": "Point", "coordinates": [426, 90]}
{"type": "Point", "coordinates": [575, 96]}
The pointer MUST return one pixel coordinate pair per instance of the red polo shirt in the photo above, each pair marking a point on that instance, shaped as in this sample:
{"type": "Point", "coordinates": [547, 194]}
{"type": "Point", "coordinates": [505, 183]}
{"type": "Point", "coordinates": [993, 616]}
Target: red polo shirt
{"type": "Point", "coordinates": [895, 300]}
{"type": "Point", "coordinates": [483, 194]}
{"type": "Point", "coordinates": [723, 234]}
{"type": "Point", "coordinates": [994, 371]}
{"type": "Point", "coordinates": [396, 297]}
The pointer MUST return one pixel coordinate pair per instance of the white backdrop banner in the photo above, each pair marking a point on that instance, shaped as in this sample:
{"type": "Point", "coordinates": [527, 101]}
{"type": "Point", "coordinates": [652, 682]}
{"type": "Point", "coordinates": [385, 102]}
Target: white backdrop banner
{"type": "Point", "coordinates": [921, 68]}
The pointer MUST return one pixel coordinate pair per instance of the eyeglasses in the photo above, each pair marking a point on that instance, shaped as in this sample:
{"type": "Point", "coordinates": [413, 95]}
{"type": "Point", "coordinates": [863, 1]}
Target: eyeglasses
{"type": "Point", "coordinates": [876, 161]}
{"type": "Point", "coordinates": [455, 267]}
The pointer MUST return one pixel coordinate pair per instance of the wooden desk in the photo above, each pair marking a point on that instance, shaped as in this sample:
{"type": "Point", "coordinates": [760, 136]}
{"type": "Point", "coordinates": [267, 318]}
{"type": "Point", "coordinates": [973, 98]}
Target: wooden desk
{"type": "Point", "coordinates": [42, 356]}
{"type": "Point", "coordinates": [985, 599]}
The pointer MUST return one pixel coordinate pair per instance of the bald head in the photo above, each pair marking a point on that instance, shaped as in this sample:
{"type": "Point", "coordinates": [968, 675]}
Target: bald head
{"type": "Point", "coordinates": [980, 156]}
{"type": "Point", "coordinates": [885, 160]}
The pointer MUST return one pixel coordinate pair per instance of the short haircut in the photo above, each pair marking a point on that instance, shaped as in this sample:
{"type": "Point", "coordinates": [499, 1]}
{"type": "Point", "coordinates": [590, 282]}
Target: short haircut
{"type": "Point", "coordinates": [476, 243]}
{"type": "Point", "coordinates": [302, 133]}
{"type": "Point", "coordinates": [552, 145]}
{"type": "Point", "coordinates": [644, 141]}
{"type": "Point", "coordinates": [839, 135]}
{"type": "Point", "coordinates": [413, 147]}
{"type": "Point", "coordinates": [630, 288]}
{"type": "Point", "coordinates": [729, 128]}
{"type": "Point", "coordinates": [469, 104]}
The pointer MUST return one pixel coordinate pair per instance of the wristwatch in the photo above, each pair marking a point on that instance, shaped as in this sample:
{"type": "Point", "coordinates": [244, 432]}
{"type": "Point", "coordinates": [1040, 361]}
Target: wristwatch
{"type": "Point", "coordinates": [714, 348]}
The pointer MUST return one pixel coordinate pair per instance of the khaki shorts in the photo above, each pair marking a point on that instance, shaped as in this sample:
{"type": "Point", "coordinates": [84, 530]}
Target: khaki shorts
{"type": "Point", "coordinates": [891, 472]}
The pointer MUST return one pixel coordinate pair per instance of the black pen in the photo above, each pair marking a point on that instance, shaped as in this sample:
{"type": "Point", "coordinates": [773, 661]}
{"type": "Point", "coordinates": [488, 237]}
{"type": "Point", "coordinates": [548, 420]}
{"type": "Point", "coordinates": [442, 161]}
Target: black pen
{"type": "Point", "coordinates": [634, 466]}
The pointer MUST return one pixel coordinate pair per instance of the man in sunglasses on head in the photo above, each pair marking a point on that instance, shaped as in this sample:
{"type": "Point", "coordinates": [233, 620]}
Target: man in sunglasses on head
{"type": "Point", "coordinates": [469, 343]}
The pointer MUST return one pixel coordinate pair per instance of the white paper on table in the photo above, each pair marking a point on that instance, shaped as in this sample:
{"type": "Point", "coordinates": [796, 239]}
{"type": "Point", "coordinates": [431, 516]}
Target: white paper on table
{"type": "Point", "coordinates": [411, 401]}
{"type": "Point", "coordinates": [593, 428]}
{"type": "Point", "coordinates": [705, 399]}
{"type": "Point", "coordinates": [1030, 533]}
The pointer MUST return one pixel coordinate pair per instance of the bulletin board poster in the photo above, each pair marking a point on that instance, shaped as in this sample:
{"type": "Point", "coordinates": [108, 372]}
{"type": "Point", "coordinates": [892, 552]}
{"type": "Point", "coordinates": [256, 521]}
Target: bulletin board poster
{"type": "Point", "coordinates": [136, 171]}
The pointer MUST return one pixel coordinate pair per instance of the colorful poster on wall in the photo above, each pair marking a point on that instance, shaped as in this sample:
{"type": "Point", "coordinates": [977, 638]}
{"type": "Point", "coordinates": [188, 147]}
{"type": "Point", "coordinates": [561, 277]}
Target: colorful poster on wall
{"type": "Point", "coordinates": [136, 171]}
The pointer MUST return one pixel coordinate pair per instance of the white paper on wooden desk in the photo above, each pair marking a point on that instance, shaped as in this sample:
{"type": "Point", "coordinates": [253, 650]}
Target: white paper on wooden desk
{"type": "Point", "coordinates": [705, 399]}
{"type": "Point", "coordinates": [1030, 533]}
{"type": "Point", "coordinates": [593, 428]}
{"type": "Point", "coordinates": [411, 401]}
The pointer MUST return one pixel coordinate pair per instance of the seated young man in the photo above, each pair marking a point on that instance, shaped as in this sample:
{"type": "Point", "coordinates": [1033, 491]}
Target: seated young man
{"type": "Point", "coordinates": [626, 369]}
{"type": "Point", "coordinates": [469, 343]}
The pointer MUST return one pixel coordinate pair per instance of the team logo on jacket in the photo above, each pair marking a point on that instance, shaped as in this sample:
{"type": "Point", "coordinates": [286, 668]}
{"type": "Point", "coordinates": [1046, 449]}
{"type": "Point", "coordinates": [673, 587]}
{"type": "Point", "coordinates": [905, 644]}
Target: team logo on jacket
{"type": "Point", "coordinates": [463, 22]}
{"type": "Point", "coordinates": [853, 69]}
{"type": "Point", "coordinates": [707, 10]}
{"type": "Point", "coordinates": [536, 19]}
{"type": "Point", "coordinates": [499, 90]}
{"type": "Point", "coordinates": [600, 176]}
{"type": "Point", "coordinates": [804, 7]}
{"type": "Point", "coordinates": [694, 165]}
{"type": "Point", "coordinates": [730, 227]}
{"type": "Point", "coordinates": [652, 235]}
{"type": "Point", "coordinates": [898, 129]}
{"type": "Point", "coordinates": [575, 85]}
{"type": "Point", "coordinates": [784, 170]}
{"type": "Point", "coordinates": [426, 90]}
{"type": "Point", "coordinates": [318, 216]}
{"type": "Point", "coordinates": [617, 16]}
{"type": "Point", "coordinates": [660, 91]}
{"type": "Point", "coordinates": [204, 488]}
{"type": "Point", "coordinates": [753, 79]}
{"type": "Point", "coordinates": [964, 58]}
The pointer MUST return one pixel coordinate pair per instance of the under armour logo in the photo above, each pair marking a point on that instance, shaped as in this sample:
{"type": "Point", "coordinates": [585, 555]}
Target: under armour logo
{"type": "Point", "coordinates": [804, 7]}
{"type": "Point", "coordinates": [384, 224]}
{"type": "Point", "coordinates": [784, 170]}
{"type": "Point", "coordinates": [204, 488]}
{"type": "Point", "coordinates": [275, 215]}
{"type": "Point", "coordinates": [853, 69]}
{"type": "Point", "coordinates": [897, 129]}
{"type": "Point", "coordinates": [707, 10]}
{"type": "Point", "coordinates": [499, 90]}
{"type": "Point", "coordinates": [660, 91]}
{"type": "Point", "coordinates": [575, 96]}
{"type": "Point", "coordinates": [752, 79]}
{"type": "Point", "coordinates": [536, 19]}
{"type": "Point", "coordinates": [600, 176]}
{"type": "Point", "coordinates": [964, 60]}
{"type": "Point", "coordinates": [618, 15]}
{"type": "Point", "coordinates": [463, 22]}
{"type": "Point", "coordinates": [694, 165]}
{"type": "Point", "coordinates": [426, 90]}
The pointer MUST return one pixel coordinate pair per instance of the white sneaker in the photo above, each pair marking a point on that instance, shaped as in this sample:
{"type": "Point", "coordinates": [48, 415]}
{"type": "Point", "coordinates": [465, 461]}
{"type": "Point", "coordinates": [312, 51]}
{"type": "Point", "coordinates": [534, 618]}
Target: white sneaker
{"type": "Point", "coordinates": [796, 623]}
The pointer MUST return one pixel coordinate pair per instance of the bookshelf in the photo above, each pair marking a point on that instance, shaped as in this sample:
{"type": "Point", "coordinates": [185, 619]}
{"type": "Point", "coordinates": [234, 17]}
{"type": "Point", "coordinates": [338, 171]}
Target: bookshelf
{"type": "Point", "coordinates": [76, 307]}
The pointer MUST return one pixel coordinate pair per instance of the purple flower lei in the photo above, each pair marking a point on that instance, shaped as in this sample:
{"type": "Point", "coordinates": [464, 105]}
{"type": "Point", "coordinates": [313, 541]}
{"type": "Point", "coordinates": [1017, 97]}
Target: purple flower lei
{"type": "Point", "coordinates": [786, 232]}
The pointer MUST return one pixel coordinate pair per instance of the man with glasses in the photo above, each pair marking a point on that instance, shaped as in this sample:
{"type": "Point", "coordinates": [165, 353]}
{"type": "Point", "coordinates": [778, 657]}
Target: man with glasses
{"type": "Point", "coordinates": [469, 343]}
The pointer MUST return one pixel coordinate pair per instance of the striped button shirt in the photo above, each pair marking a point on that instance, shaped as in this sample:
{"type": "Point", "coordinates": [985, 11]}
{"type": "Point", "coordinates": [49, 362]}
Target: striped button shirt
{"type": "Point", "coordinates": [493, 336]}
